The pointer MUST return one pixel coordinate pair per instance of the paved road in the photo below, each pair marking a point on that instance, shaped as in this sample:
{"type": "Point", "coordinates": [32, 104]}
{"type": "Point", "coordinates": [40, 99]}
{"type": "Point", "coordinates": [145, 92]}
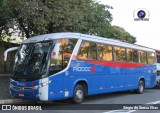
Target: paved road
{"type": "Point", "coordinates": [4, 87]}
{"type": "Point", "coordinates": [150, 96]}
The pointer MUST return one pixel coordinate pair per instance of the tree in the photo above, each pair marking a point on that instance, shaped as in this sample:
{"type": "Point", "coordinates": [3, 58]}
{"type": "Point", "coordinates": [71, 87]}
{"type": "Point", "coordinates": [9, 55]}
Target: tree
{"type": "Point", "coordinates": [119, 33]}
{"type": "Point", "coordinates": [35, 17]}
{"type": "Point", "coordinates": [4, 17]}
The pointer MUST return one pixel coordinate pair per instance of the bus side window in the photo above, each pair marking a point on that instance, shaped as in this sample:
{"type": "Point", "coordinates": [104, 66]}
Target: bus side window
{"type": "Point", "coordinates": [142, 57]}
{"type": "Point", "coordinates": [104, 52]}
{"type": "Point", "coordinates": [151, 57]}
{"type": "Point", "coordinates": [135, 56]}
{"type": "Point", "coordinates": [87, 51]}
{"type": "Point", "coordinates": [129, 55]}
{"type": "Point", "coordinates": [119, 54]}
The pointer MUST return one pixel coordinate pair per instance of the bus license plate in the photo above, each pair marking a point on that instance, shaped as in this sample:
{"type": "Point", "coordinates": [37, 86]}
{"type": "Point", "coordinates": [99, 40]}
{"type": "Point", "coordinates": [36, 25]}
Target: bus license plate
{"type": "Point", "coordinates": [21, 95]}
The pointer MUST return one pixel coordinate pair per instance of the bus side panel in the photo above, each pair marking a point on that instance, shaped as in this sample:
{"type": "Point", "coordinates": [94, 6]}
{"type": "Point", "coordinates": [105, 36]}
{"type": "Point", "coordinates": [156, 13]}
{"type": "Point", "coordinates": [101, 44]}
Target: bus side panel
{"type": "Point", "coordinates": [99, 78]}
{"type": "Point", "coordinates": [112, 78]}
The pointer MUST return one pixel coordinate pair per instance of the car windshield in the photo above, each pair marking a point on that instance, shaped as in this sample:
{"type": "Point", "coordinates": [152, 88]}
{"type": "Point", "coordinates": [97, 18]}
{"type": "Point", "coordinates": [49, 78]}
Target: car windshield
{"type": "Point", "coordinates": [31, 61]}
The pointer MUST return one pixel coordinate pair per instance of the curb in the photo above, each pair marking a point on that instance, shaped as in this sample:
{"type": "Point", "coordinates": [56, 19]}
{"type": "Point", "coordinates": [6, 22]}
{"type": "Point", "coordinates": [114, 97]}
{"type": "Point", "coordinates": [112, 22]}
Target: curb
{"type": "Point", "coordinates": [12, 101]}
{"type": "Point", "coordinates": [5, 75]}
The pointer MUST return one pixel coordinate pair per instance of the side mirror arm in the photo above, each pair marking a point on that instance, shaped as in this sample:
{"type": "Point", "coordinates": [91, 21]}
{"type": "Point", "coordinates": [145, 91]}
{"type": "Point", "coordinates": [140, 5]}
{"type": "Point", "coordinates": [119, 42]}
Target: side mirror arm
{"type": "Point", "coordinates": [8, 50]}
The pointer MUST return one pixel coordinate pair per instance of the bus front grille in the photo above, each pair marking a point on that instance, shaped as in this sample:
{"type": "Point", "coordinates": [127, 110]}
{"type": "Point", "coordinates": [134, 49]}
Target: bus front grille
{"type": "Point", "coordinates": [20, 88]}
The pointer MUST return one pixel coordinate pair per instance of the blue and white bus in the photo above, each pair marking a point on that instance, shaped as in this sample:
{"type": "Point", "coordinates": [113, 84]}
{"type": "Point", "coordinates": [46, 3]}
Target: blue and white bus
{"type": "Point", "coordinates": [73, 65]}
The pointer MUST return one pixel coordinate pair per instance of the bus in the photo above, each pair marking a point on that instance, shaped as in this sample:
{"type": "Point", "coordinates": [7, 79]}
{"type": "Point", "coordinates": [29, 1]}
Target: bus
{"type": "Point", "coordinates": [74, 65]}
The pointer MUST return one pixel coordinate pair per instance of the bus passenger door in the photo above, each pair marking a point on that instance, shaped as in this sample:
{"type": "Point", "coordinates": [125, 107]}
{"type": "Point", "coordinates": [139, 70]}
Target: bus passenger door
{"type": "Point", "coordinates": [56, 65]}
{"type": "Point", "coordinates": [61, 55]}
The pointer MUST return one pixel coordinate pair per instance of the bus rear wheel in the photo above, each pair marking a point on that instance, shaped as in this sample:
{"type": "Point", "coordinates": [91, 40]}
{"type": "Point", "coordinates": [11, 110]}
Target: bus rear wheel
{"type": "Point", "coordinates": [78, 95]}
{"type": "Point", "coordinates": [140, 89]}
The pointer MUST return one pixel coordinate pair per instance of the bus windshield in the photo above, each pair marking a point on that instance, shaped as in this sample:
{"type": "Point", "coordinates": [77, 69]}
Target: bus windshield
{"type": "Point", "coordinates": [34, 61]}
{"type": "Point", "coordinates": [31, 61]}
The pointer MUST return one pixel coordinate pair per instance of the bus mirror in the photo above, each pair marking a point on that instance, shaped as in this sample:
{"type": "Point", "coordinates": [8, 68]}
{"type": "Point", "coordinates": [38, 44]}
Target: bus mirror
{"type": "Point", "coordinates": [8, 50]}
{"type": "Point", "coordinates": [55, 52]}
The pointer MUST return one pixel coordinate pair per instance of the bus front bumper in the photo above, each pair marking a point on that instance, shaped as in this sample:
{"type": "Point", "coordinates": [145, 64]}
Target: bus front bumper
{"type": "Point", "coordinates": [19, 92]}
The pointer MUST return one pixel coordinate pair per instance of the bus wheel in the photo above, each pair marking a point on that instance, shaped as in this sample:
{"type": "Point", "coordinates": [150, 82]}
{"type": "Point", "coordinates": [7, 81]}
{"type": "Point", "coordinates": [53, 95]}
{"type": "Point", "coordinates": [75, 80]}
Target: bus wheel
{"type": "Point", "coordinates": [140, 89]}
{"type": "Point", "coordinates": [78, 95]}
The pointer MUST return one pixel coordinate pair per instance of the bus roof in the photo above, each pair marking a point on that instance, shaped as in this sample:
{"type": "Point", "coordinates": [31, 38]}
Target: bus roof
{"type": "Point", "coordinates": [114, 42]}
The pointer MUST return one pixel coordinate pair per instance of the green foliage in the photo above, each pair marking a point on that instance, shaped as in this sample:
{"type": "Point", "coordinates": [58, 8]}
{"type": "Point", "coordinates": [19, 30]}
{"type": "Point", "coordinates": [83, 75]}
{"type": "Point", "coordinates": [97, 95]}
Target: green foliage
{"type": "Point", "coordinates": [35, 17]}
{"type": "Point", "coordinates": [4, 18]}
{"type": "Point", "coordinates": [119, 33]}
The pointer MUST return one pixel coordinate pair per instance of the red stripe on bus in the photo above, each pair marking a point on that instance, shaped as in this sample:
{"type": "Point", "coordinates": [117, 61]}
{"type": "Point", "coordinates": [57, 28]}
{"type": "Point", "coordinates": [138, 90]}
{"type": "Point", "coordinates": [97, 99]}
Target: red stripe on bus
{"type": "Point", "coordinates": [116, 64]}
{"type": "Point", "coordinates": [69, 55]}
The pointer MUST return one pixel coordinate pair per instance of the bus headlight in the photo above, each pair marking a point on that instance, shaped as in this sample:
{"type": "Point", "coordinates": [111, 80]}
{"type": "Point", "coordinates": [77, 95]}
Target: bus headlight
{"type": "Point", "coordinates": [42, 85]}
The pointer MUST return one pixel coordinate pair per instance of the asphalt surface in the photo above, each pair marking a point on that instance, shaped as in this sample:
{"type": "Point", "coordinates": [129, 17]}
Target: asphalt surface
{"type": "Point", "coordinates": [97, 103]}
{"type": "Point", "coordinates": [4, 88]}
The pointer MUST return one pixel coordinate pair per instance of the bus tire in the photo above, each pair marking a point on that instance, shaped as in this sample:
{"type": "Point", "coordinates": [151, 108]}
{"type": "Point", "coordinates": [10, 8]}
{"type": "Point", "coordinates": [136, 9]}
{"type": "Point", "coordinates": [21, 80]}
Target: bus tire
{"type": "Point", "coordinates": [140, 89]}
{"type": "Point", "coordinates": [78, 94]}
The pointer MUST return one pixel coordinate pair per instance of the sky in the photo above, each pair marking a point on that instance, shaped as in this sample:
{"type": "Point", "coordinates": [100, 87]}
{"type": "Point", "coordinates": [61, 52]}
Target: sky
{"type": "Point", "coordinates": [146, 32]}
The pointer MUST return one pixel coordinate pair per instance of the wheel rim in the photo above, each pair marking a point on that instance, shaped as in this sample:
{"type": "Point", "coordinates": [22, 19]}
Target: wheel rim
{"type": "Point", "coordinates": [141, 87]}
{"type": "Point", "coordinates": [79, 94]}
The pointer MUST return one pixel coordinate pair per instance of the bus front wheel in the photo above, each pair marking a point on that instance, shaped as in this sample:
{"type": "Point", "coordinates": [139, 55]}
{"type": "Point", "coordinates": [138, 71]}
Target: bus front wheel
{"type": "Point", "coordinates": [78, 95]}
{"type": "Point", "coordinates": [140, 89]}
